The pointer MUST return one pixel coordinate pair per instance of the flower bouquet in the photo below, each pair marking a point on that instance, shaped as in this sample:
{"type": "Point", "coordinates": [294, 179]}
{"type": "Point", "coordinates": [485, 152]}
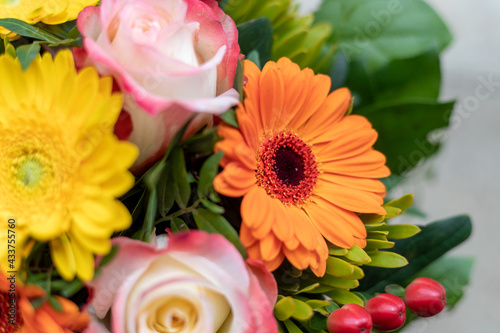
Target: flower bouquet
{"type": "Point", "coordinates": [202, 166]}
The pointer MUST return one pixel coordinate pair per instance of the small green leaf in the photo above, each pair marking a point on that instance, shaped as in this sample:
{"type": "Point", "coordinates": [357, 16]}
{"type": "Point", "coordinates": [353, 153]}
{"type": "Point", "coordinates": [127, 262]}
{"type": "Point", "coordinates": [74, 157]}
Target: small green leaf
{"type": "Point", "coordinates": [27, 53]}
{"type": "Point", "coordinates": [178, 224]}
{"type": "Point", "coordinates": [208, 172]}
{"type": "Point", "coordinates": [317, 303]}
{"type": "Point", "coordinates": [27, 30]}
{"type": "Point", "coordinates": [318, 321]}
{"type": "Point", "coordinates": [402, 203]}
{"type": "Point", "coordinates": [55, 303]}
{"type": "Point", "coordinates": [336, 251]}
{"type": "Point", "coordinates": [291, 327]}
{"type": "Point", "coordinates": [338, 267]}
{"type": "Point", "coordinates": [256, 35]}
{"type": "Point", "coordinates": [38, 302]}
{"type": "Point", "coordinates": [357, 254]}
{"type": "Point", "coordinates": [339, 282]}
{"type": "Point", "coordinates": [284, 308]}
{"type": "Point", "coordinates": [230, 117]}
{"type": "Point", "coordinates": [253, 56]}
{"type": "Point", "coordinates": [182, 189]}
{"type": "Point", "coordinates": [395, 289]}
{"type": "Point", "coordinates": [302, 310]}
{"type": "Point", "coordinates": [387, 259]}
{"type": "Point", "coordinates": [397, 231]}
{"type": "Point", "coordinates": [215, 223]}
{"type": "Point", "coordinates": [373, 244]}
{"type": "Point", "coordinates": [344, 297]}
{"type": "Point", "coordinates": [212, 207]}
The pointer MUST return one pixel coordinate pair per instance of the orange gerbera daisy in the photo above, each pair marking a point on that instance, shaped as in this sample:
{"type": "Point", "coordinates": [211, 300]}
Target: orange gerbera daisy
{"type": "Point", "coordinates": [304, 168]}
{"type": "Point", "coordinates": [18, 315]}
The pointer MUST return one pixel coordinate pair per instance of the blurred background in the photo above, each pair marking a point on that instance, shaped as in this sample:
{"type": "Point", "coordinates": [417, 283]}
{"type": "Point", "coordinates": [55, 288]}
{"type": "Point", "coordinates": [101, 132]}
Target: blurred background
{"type": "Point", "coordinates": [464, 177]}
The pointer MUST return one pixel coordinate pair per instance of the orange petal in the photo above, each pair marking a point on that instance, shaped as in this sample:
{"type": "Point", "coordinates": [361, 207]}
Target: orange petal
{"type": "Point", "coordinates": [235, 180]}
{"type": "Point", "coordinates": [351, 199]}
{"type": "Point", "coordinates": [276, 262]}
{"type": "Point", "coordinates": [332, 225]}
{"type": "Point", "coordinates": [365, 184]}
{"type": "Point", "coordinates": [305, 232]}
{"type": "Point", "coordinates": [270, 247]}
{"type": "Point", "coordinates": [271, 95]}
{"type": "Point", "coordinates": [282, 227]}
{"type": "Point", "coordinates": [257, 211]}
{"type": "Point", "coordinates": [316, 92]}
{"type": "Point", "coordinates": [370, 164]}
{"type": "Point", "coordinates": [300, 258]}
{"type": "Point", "coordinates": [328, 114]}
{"type": "Point", "coordinates": [246, 236]}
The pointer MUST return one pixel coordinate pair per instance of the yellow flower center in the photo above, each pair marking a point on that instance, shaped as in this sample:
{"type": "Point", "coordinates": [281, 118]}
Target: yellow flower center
{"type": "Point", "coordinates": [30, 171]}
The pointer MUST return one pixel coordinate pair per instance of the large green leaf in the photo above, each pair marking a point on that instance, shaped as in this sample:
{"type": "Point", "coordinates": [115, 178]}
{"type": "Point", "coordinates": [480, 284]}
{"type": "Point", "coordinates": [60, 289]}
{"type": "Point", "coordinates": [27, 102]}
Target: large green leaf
{"type": "Point", "coordinates": [382, 30]}
{"type": "Point", "coordinates": [256, 35]}
{"type": "Point", "coordinates": [27, 30]}
{"type": "Point", "coordinates": [416, 77]}
{"type": "Point", "coordinates": [422, 249]}
{"type": "Point", "coordinates": [215, 223]}
{"type": "Point", "coordinates": [404, 129]}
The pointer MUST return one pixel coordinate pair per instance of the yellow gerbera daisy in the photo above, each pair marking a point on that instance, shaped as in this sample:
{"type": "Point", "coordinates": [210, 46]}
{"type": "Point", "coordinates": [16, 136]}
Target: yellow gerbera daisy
{"type": "Point", "coordinates": [33, 11]}
{"type": "Point", "coordinates": [304, 168]}
{"type": "Point", "coordinates": [61, 167]}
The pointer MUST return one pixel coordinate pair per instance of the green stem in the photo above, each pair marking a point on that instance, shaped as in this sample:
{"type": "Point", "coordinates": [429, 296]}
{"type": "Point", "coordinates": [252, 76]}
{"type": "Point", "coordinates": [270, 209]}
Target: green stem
{"type": "Point", "coordinates": [181, 212]}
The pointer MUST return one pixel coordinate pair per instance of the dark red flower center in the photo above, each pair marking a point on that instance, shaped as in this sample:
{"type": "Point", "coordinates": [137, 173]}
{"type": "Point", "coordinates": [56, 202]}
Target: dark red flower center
{"type": "Point", "coordinates": [287, 168]}
{"type": "Point", "coordinates": [10, 317]}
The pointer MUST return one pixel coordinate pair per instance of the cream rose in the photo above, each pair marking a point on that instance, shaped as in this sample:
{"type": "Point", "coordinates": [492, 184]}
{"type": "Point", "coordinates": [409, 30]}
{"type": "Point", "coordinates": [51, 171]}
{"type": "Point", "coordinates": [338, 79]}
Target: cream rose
{"type": "Point", "coordinates": [197, 282]}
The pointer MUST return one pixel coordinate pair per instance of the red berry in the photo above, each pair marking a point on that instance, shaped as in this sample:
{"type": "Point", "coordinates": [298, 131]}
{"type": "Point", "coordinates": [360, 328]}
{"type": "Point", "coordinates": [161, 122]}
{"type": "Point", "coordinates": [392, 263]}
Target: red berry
{"type": "Point", "coordinates": [351, 318]}
{"type": "Point", "coordinates": [425, 297]}
{"type": "Point", "coordinates": [388, 312]}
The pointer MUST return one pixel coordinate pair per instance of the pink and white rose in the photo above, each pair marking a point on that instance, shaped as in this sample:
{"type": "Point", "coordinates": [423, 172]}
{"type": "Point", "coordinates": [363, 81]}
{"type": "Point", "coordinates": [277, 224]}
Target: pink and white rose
{"type": "Point", "coordinates": [171, 59]}
{"type": "Point", "coordinates": [192, 282]}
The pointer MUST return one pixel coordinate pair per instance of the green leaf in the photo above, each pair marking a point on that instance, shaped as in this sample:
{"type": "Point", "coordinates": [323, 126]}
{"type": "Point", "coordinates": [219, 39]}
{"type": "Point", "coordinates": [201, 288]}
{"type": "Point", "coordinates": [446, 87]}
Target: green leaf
{"type": "Point", "coordinates": [338, 267]}
{"type": "Point", "coordinates": [318, 321]}
{"type": "Point", "coordinates": [256, 35]}
{"type": "Point", "coordinates": [202, 143]}
{"type": "Point", "coordinates": [291, 327]}
{"type": "Point", "coordinates": [215, 223]}
{"type": "Point", "coordinates": [432, 242]}
{"type": "Point", "coordinates": [382, 30]}
{"type": "Point", "coordinates": [181, 189]}
{"type": "Point", "coordinates": [254, 57]}
{"type": "Point", "coordinates": [28, 30]}
{"type": "Point", "coordinates": [55, 303]}
{"type": "Point", "coordinates": [339, 282]}
{"type": "Point", "coordinates": [402, 203]}
{"type": "Point", "coordinates": [284, 308]}
{"type": "Point", "coordinates": [178, 224]}
{"type": "Point", "coordinates": [212, 207]}
{"type": "Point", "coordinates": [395, 289]}
{"type": "Point", "coordinates": [372, 244]}
{"type": "Point", "coordinates": [395, 122]}
{"type": "Point", "coordinates": [230, 117]}
{"type": "Point", "coordinates": [387, 259]}
{"type": "Point", "coordinates": [397, 231]}
{"type": "Point", "coordinates": [358, 255]}
{"type": "Point", "coordinates": [302, 310]}
{"type": "Point", "coordinates": [416, 77]}
{"type": "Point", "coordinates": [27, 53]}
{"type": "Point", "coordinates": [208, 172]}
{"type": "Point", "coordinates": [344, 297]}
{"type": "Point", "coordinates": [72, 288]}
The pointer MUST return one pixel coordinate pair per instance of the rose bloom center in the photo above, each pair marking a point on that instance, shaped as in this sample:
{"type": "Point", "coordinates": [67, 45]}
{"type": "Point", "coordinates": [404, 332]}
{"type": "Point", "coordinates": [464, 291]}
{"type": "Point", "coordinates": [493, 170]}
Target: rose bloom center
{"type": "Point", "coordinates": [287, 168]}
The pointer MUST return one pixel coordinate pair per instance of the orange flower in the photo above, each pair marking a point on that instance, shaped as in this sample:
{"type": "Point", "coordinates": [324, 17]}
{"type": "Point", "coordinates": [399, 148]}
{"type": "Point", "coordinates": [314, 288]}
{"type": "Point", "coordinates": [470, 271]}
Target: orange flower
{"type": "Point", "coordinates": [18, 315]}
{"type": "Point", "coordinates": [304, 168]}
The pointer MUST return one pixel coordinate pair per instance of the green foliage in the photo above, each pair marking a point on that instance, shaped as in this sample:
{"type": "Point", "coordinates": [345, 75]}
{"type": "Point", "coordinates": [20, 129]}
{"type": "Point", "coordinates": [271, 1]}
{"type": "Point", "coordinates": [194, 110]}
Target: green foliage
{"type": "Point", "coordinates": [295, 37]}
{"type": "Point", "coordinates": [379, 31]}
{"type": "Point", "coordinates": [432, 242]}
{"type": "Point", "coordinates": [27, 53]}
{"type": "Point", "coordinates": [256, 36]}
{"type": "Point", "coordinates": [390, 62]}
